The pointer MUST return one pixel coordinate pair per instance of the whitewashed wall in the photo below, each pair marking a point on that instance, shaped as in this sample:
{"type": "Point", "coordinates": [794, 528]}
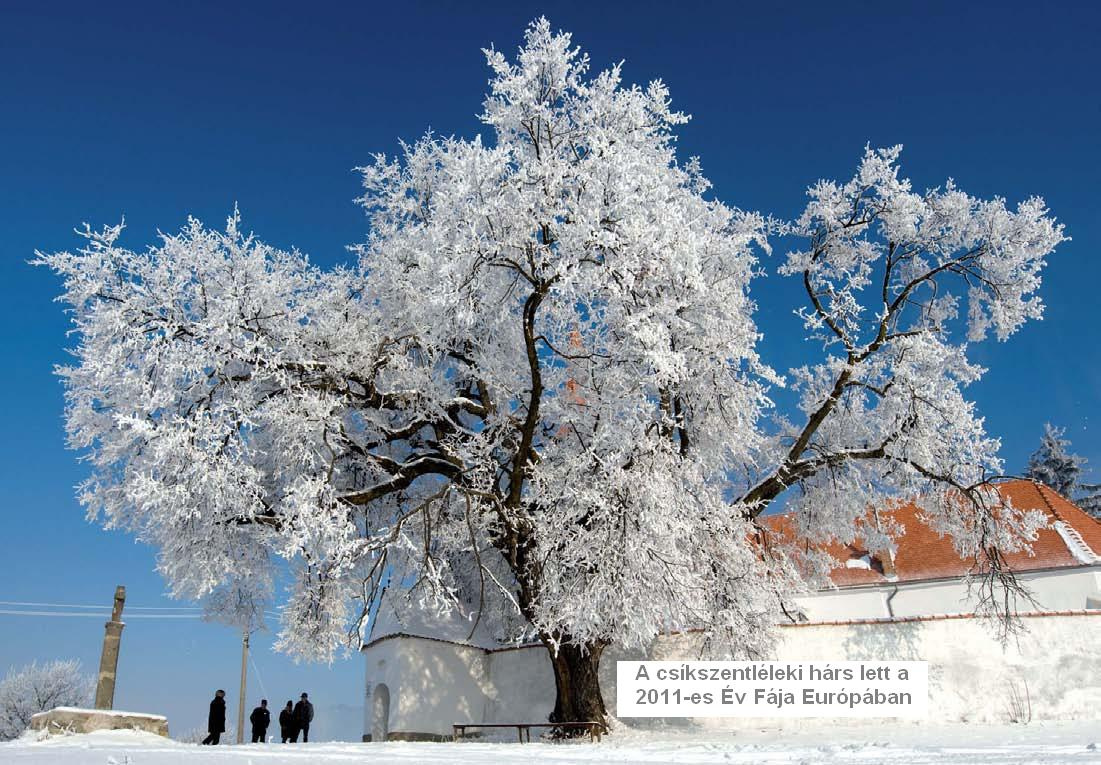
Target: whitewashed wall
{"type": "Point", "coordinates": [431, 684]}
{"type": "Point", "coordinates": [522, 683]}
{"type": "Point", "coordinates": [973, 678]}
{"type": "Point", "coordinates": [1053, 591]}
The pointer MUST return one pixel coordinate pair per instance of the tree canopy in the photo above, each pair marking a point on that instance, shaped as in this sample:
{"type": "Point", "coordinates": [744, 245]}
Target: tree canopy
{"type": "Point", "coordinates": [538, 394]}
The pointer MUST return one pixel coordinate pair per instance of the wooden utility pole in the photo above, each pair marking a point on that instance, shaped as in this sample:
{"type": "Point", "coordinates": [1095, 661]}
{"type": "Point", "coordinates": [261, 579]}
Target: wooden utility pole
{"type": "Point", "coordinates": [241, 701]}
{"type": "Point", "coordinates": [109, 659]}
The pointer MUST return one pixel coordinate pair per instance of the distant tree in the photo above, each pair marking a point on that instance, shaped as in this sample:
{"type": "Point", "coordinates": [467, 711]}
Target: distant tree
{"type": "Point", "coordinates": [33, 689]}
{"type": "Point", "coordinates": [539, 392]}
{"type": "Point", "coordinates": [1090, 501]}
{"type": "Point", "coordinates": [1054, 465]}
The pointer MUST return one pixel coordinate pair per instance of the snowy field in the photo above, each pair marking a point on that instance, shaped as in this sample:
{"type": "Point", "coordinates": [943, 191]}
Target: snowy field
{"type": "Point", "coordinates": [1074, 742]}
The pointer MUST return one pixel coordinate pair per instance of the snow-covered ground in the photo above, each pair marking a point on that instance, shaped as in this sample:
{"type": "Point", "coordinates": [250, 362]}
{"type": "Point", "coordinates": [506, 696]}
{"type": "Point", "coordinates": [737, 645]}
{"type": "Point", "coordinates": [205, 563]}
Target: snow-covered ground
{"type": "Point", "coordinates": [1047, 743]}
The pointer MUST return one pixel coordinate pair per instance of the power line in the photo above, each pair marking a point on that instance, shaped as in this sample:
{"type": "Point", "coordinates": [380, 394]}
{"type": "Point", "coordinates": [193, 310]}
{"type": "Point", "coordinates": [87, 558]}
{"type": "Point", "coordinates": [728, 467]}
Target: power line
{"type": "Point", "coordinates": [49, 605]}
{"type": "Point", "coordinates": [140, 608]}
{"type": "Point", "coordinates": [99, 607]}
{"type": "Point", "coordinates": [101, 615]}
{"type": "Point", "coordinates": [256, 669]}
{"type": "Point", "coordinates": [98, 612]}
{"type": "Point", "coordinates": [270, 611]}
{"type": "Point", "coordinates": [162, 616]}
{"type": "Point", "coordinates": [104, 614]}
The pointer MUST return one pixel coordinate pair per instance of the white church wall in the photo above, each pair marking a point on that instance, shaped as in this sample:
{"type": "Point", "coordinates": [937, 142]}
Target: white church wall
{"type": "Point", "coordinates": [972, 676]}
{"type": "Point", "coordinates": [1053, 591]}
{"type": "Point", "coordinates": [521, 685]}
{"type": "Point", "coordinates": [431, 684]}
{"type": "Point", "coordinates": [840, 605]}
{"type": "Point", "coordinates": [383, 670]}
{"type": "Point", "coordinates": [1064, 590]}
{"type": "Point", "coordinates": [1052, 667]}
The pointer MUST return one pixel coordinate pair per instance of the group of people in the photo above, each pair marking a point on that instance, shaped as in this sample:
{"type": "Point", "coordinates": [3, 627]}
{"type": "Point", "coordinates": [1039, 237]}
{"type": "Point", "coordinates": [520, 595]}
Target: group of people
{"type": "Point", "coordinates": [294, 719]}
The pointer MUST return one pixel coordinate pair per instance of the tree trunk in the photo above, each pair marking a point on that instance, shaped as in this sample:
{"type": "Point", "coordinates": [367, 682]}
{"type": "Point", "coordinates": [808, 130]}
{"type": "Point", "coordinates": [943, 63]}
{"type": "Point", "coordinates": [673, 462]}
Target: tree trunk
{"type": "Point", "coordinates": [577, 685]}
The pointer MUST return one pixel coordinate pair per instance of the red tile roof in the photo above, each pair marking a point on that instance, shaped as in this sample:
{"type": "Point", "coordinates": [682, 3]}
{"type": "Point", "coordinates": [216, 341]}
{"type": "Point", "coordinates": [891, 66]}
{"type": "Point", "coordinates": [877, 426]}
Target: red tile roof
{"type": "Point", "coordinates": [924, 554]}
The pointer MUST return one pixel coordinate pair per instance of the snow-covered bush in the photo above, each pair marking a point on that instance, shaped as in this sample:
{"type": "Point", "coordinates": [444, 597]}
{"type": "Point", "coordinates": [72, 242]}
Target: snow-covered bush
{"type": "Point", "coordinates": [33, 689]}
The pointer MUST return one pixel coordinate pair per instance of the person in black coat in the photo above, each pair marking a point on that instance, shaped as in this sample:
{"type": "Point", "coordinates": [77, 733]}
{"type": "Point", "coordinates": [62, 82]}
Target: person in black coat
{"type": "Point", "coordinates": [260, 719]}
{"type": "Point", "coordinates": [303, 716]}
{"type": "Point", "coordinates": [216, 721]}
{"type": "Point", "coordinates": [286, 724]}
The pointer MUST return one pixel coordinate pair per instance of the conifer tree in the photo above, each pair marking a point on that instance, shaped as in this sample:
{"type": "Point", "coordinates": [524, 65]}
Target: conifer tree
{"type": "Point", "coordinates": [1055, 466]}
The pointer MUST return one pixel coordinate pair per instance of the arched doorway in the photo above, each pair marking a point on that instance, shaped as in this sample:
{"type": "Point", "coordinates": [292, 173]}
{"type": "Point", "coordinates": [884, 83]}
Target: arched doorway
{"type": "Point", "coordinates": [380, 718]}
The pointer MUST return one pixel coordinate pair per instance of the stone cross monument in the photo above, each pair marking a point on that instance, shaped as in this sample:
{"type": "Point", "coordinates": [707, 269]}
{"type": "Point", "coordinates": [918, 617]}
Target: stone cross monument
{"type": "Point", "coordinates": [109, 660]}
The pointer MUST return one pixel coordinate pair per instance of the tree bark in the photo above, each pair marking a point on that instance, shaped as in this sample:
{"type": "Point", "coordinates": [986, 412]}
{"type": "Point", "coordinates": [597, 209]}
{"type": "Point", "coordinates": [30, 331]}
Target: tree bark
{"type": "Point", "coordinates": [577, 686]}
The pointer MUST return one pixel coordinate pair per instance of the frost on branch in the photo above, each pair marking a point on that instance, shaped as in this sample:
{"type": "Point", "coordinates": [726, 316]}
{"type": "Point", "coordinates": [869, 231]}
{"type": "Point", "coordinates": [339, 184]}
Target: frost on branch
{"type": "Point", "coordinates": [204, 396]}
{"type": "Point", "coordinates": [887, 272]}
{"type": "Point", "coordinates": [537, 398]}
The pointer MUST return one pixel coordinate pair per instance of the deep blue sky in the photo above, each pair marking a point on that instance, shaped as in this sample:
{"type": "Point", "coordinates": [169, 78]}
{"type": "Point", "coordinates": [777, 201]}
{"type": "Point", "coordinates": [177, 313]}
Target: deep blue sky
{"type": "Point", "coordinates": [157, 111]}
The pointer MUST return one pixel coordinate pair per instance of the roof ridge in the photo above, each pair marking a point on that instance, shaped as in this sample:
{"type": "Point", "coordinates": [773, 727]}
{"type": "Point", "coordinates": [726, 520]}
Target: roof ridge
{"type": "Point", "coordinates": [1082, 510]}
{"type": "Point", "coordinates": [1068, 532]}
{"type": "Point", "coordinates": [1039, 487]}
{"type": "Point", "coordinates": [1070, 501]}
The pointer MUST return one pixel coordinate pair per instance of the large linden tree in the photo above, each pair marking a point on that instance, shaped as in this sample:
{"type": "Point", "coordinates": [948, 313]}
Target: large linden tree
{"type": "Point", "coordinates": [537, 397]}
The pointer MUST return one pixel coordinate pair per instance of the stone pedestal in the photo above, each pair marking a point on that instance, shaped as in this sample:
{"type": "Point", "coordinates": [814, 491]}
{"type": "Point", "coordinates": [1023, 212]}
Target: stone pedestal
{"type": "Point", "coordinates": [74, 720]}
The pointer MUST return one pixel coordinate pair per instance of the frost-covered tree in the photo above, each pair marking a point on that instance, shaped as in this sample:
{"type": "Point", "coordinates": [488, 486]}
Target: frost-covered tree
{"type": "Point", "coordinates": [1090, 499]}
{"type": "Point", "coordinates": [538, 395]}
{"type": "Point", "coordinates": [1054, 465]}
{"type": "Point", "coordinates": [33, 689]}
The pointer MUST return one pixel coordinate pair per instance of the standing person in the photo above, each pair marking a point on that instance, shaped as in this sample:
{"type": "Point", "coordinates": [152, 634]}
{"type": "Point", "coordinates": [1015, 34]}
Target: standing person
{"type": "Point", "coordinates": [303, 716]}
{"type": "Point", "coordinates": [260, 719]}
{"type": "Point", "coordinates": [286, 724]}
{"type": "Point", "coordinates": [216, 721]}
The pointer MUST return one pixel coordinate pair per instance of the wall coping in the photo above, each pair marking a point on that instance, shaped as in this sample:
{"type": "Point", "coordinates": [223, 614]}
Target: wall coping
{"type": "Point", "coordinates": [930, 618]}
{"type": "Point", "coordinates": [696, 630]}
{"type": "Point", "coordinates": [890, 584]}
{"type": "Point", "coordinates": [471, 646]}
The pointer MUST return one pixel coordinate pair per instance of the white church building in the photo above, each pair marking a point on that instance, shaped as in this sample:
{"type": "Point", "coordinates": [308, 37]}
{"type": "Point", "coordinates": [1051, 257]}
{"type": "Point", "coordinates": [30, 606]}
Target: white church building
{"type": "Point", "coordinates": [914, 605]}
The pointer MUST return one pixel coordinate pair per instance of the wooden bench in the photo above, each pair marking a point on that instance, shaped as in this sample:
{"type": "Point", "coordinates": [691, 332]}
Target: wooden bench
{"type": "Point", "coordinates": [596, 729]}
